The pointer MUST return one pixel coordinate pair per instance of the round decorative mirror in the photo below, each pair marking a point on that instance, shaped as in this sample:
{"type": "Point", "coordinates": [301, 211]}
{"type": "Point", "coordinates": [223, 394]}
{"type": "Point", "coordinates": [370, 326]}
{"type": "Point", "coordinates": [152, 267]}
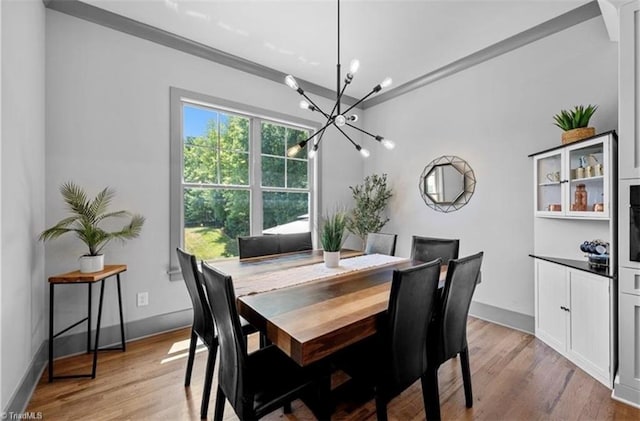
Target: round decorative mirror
{"type": "Point", "coordinates": [447, 183]}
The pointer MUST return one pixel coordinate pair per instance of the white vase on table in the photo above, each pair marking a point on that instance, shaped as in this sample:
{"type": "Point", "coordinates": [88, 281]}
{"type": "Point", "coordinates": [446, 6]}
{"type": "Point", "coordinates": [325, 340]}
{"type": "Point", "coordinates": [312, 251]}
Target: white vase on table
{"type": "Point", "coordinates": [90, 264]}
{"type": "Point", "coordinates": [331, 259]}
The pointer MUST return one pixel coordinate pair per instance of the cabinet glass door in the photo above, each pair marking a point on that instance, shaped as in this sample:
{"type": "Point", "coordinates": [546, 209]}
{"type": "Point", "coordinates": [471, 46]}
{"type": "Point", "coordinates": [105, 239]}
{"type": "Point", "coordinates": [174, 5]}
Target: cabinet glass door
{"type": "Point", "coordinates": [548, 180]}
{"type": "Point", "coordinates": [587, 166]}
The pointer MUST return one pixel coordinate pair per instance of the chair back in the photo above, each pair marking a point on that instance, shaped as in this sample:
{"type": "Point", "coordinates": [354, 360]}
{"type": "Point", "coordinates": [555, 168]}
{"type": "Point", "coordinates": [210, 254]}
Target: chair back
{"type": "Point", "coordinates": [232, 370]}
{"type": "Point", "coordinates": [289, 243]}
{"type": "Point", "coordinates": [202, 319]}
{"type": "Point", "coordinates": [426, 249]}
{"type": "Point", "coordinates": [381, 243]}
{"type": "Point", "coordinates": [411, 303]}
{"type": "Point", "coordinates": [451, 317]}
{"type": "Point", "coordinates": [259, 245]}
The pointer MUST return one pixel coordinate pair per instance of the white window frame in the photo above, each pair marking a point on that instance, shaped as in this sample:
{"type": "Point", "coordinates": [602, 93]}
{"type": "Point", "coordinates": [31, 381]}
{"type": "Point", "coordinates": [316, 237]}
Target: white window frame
{"type": "Point", "coordinates": [180, 97]}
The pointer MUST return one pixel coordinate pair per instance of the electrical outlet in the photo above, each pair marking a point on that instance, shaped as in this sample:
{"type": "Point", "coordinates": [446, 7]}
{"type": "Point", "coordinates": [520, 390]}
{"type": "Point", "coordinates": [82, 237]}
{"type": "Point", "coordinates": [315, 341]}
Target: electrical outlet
{"type": "Point", "coordinates": [143, 299]}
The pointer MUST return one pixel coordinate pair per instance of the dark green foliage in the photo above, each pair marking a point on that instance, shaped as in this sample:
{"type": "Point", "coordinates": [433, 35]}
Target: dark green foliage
{"type": "Point", "coordinates": [332, 231]}
{"type": "Point", "coordinates": [371, 199]}
{"type": "Point", "coordinates": [576, 118]}
{"type": "Point", "coordinates": [221, 157]}
{"type": "Point", "coordinates": [87, 215]}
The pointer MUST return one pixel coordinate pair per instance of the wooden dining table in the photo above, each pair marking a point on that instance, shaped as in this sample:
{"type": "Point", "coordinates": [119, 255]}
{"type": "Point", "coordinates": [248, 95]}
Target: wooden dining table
{"type": "Point", "coordinates": [314, 319]}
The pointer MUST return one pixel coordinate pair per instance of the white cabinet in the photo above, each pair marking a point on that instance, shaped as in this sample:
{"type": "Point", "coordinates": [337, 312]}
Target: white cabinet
{"type": "Point", "coordinates": [573, 313]}
{"type": "Point", "coordinates": [627, 387]}
{"type": "Point", "coordinates": [630, 343]}
{"type": "Point", "coordinates": [589, 344]}
{"type": "Point", "coordinates": [583, 166]}
{"type": "Point", "coordinates": [551, 299]}
{"type": "Point", "coordinates": [629, 92]}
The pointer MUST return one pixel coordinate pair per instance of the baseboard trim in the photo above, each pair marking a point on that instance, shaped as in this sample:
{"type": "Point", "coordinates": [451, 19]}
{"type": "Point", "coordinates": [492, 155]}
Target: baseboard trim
{"type": "Point", "coordinates": [76, 344]}
{"type": "Point", "coordinates": [18, 402]}
{"type": "Point", "coordinates": [502, 317]}
{"type": "Point", "coordinates": [625, 394]}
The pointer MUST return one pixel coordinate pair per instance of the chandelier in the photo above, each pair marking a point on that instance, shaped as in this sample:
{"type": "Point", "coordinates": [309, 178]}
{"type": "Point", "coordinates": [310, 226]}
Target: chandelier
{"type": "Point", "coordinates": [337, 117]}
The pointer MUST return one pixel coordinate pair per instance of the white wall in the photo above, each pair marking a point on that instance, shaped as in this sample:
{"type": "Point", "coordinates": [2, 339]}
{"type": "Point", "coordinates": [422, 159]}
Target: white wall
{"type": "Point", "coordinates": [22, 174]}
{"type": "Point", "coordinates": [493, 115]}
{"type": "Point", "coordinates": [108, 124]}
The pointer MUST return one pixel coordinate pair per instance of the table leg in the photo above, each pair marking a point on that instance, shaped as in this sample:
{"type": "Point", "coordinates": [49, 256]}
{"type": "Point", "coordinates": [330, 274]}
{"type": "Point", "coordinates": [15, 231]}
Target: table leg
{"type": "Point", "coordinates": [51, 332]}
{"type": "Point", "coordinates": [124, 347]}
{"type": "Point", "coordinates": [89, 319]}
{"type": "Point", "coordinates": [95, 347]}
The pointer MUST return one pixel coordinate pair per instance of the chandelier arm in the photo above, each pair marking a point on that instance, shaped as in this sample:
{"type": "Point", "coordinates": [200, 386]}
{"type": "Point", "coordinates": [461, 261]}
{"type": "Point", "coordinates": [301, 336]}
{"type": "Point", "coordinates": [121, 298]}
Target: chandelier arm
{"type": "Point", "coordinates": [363, 131]}
{"type": "Point", "coordinates": [373, 91]}
{"type": "Point", "coordinates": [317, 132]}
{"type": "Point", "coordinates": [315, 105]}
{"type": "Point", "coordinates": [358, 147]}
{"type": "Point", "coordinates": [316, 145]}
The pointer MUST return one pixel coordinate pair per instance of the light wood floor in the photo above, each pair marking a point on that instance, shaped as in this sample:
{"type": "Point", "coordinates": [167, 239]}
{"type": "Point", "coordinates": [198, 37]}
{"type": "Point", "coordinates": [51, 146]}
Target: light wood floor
{"type": "Point", "coordinates": [515, 377]}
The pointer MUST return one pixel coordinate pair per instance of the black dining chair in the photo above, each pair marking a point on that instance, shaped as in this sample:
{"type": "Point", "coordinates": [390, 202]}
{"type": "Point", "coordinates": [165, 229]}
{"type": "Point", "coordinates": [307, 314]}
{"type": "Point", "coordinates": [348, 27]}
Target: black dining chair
{"type": "Point", "coordinates": [395, 357]}
{"type": "Point", "coordinates": [380, 243]}
{"type": "Point", "coordinates": [425, 249]}
{"type": "Point", "coordinates": [203, 326]}
{"type": "Point", "coordinates": [289, 243]}
{"type": "Point", "coordinates": [447, 335]}
{"type": "Point", "coordinates": [255, 384]}
{"type": "Point", "coordinates": [257, 246]}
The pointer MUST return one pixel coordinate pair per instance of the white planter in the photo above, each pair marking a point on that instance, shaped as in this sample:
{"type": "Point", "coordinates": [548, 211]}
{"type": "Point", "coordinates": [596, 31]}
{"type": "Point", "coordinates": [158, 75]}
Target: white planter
{"type": "Point", "coordinates": [332, 259]}
{"type": "Point", "coordinates": [89, 264]}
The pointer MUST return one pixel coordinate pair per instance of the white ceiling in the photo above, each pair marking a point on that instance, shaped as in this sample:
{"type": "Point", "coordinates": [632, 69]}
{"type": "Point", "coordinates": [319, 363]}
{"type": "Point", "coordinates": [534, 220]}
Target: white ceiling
{"type": "Point", "coordinates": [399, 38]}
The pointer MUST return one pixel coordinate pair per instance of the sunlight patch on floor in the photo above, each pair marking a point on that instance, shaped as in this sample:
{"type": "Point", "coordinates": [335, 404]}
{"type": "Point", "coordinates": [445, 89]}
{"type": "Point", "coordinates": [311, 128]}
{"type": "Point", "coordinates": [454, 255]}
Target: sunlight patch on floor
{"type": "Point", "coordinates": [180, 349]}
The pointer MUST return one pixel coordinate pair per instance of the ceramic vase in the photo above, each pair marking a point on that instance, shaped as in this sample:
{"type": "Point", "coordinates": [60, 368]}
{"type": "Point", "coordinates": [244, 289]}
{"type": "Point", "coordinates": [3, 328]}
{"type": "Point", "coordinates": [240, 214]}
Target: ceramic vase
{"type": "Point", "coordinates": [90, 264]}
{"type": "Point", "coordinates": [332, 259]}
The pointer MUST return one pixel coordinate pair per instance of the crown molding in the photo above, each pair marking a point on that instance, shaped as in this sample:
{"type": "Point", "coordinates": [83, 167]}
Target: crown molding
{"type": "Point", "coordinates": [138, 29]}
{"type": "Point", "coordinates": [550, 27]}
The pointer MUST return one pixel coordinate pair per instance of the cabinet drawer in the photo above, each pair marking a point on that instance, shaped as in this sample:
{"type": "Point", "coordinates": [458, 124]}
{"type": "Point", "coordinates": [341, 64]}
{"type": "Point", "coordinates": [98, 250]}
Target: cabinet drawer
{"type": "Point", "coordinates": [629, 281]}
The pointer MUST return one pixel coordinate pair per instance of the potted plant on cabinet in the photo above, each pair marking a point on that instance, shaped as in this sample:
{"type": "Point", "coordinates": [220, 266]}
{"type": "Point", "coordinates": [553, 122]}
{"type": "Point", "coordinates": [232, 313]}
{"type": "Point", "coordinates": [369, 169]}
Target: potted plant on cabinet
{"type": "Point", "coordinates": [331, 237]}
{"type": "Point", "coordinates": [574, 123]}
{"type": "Point", "coordinates": [371, 200]}
{"type": "Point", "coordinates": [86, 215]}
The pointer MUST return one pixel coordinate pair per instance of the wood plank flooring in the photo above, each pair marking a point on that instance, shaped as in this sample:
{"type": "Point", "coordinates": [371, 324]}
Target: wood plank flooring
{"type": "Point", "coordinates": [515, 377]}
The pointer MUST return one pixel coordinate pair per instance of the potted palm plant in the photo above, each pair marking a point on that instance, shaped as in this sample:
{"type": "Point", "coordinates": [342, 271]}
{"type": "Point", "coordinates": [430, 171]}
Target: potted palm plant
{"type": "Point", "coordinates": [86, 216]}
{"type": "Point", "coordinates": [574, 123]}
{"type": "Point", "coordinates": [331, 237]}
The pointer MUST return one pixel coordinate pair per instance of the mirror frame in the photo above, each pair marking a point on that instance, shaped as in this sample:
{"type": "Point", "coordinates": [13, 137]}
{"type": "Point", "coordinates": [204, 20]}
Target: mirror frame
{"type": "Point", "coordinates": [469, 183]}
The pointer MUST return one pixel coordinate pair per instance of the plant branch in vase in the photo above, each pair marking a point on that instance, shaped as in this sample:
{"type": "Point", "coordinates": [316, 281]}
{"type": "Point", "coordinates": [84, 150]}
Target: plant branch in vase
{"type": "Point", "coordinates": [371, 199]}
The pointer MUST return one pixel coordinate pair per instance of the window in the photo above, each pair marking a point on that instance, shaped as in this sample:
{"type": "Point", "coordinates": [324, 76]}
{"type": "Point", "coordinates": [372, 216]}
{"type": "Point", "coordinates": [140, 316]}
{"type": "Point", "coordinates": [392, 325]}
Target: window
{"type": "Point", "coordinates": [231, 176]}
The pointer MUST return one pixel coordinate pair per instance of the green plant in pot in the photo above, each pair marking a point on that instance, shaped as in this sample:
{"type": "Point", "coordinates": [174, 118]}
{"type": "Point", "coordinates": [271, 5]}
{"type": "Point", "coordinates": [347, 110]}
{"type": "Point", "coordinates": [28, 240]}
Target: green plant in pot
{"type": "Point", "coordinates": [85, 219]}
{"type": "Point", "coordinates": [371, 199]}
{"type": "Point", "coordinates": [332, 236]}
{"type": "Point", "coordinates": [575, 123]}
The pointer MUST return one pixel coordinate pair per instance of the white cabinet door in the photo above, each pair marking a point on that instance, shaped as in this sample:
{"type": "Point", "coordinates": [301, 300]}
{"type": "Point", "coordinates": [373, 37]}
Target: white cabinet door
{"type": "Point", "coordinates": [629, 341]}
{"type": "Point", "coordinates": [548, 174]}
{"type": "Point", "coordinates": [585, 167]}
{"type": "Point", "coordinates": [551, 298]}
{"type": "Point", "coordinates": [589, 326]}
{"type": "Point", "coordinates": [629, 92]}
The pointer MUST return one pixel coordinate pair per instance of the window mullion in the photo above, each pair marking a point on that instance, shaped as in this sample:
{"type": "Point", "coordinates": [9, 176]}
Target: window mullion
{"type": "Point", "coordinates": [255, 174]}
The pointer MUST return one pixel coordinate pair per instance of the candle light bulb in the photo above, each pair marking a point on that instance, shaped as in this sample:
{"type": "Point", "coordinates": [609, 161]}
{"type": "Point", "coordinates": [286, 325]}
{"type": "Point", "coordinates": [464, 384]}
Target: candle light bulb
{"type": "Point", "coordinates": [386, 82]}
{"type": "Point", "coordinates": [291, 82]}
{"type": "Point", "coordinates": [388, 143]}
{"type": "Point", "coordinates": [293, 151]}
{"type": "Point", "coordinates": [354, 66]}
